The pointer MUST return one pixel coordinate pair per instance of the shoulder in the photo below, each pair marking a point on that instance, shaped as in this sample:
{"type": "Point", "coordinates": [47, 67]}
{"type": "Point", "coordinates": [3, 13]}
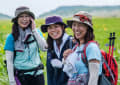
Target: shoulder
{"type": "Point", "coordinates": [67, 41]}
{"type": "Point", "coordinates": [92, 45]}
{"type": "Point", "coordinates": [93, 51]}
{"type": "Point", "coordinates": [70, 42]}
{"type": "Point", "coordinates": [9, 44]}
{"type": "Point", "coordinates": [92, 48]}
{"type": "Point", "coordinates": [10, 38]}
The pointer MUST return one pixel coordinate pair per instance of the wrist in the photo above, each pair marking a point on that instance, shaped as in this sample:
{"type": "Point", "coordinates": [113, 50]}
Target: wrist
{"type": "Point", "coordinates": [34, 30]}
{"type": "Point", "coordinates": [12, 82]}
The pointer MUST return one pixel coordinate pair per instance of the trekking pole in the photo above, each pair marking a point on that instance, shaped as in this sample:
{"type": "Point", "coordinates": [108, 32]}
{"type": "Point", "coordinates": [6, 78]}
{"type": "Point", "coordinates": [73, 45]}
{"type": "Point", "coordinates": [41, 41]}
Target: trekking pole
{"type": "Point", "coordinates": [110, 39]}
{"type": "Point", "coordinates": [70, 42]}
{"type": "Point", "coordinates": [113, 42]}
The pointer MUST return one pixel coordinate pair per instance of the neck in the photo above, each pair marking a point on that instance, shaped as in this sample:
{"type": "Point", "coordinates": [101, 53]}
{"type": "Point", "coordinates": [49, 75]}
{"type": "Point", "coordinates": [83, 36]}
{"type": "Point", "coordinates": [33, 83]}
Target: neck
{"type": "Point", "coordinates": [58, 42]}
{"type": "Point", "coordinates": [82, 41]}
{"type": "Point", "coordinates": [22, 28]}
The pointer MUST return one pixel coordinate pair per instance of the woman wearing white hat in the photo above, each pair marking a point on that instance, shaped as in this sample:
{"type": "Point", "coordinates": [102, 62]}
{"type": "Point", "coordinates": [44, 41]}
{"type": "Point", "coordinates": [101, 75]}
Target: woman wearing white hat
{"type": "Point", "coordinates": [75, 67]}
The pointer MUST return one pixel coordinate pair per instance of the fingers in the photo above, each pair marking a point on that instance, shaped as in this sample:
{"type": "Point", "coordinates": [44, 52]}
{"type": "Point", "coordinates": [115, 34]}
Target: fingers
{"type": "Point", "coordinates": [32, 23]}
{"type": "Point", "coordinates": [67, 52]}
{"type": "Point", "coordinates": [74, 40]}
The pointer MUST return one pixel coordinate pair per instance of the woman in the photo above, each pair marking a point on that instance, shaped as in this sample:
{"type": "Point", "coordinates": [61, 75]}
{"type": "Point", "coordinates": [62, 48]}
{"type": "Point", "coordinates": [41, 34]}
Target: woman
{"type": "Point", "coordinates": [75, 67]}
{"type": "Point", "coordinates": [57, 41]}
{"type": "Point", "coordinates": [22, 50]}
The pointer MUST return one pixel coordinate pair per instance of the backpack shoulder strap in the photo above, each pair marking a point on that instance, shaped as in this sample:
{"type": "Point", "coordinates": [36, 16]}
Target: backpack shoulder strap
{"type": "Point", "coordinates": [70, 42]}
{"type": "Point", "coordinates": [37, 45]}
{"type": "Point", "coordinates": [83, 55]}
{"type": "Point", "coordinates": [75, 47]}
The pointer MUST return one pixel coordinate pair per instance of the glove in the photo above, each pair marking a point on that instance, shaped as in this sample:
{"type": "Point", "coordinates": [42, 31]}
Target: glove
{"type": "Point", "coordinates": [13, 83]}
{"type": "Point", "coordinates": [56, 63]}
{"type": "Point", "coordinates": [68, 69]}
{"type": "Point", "coordinates": [69, 65]}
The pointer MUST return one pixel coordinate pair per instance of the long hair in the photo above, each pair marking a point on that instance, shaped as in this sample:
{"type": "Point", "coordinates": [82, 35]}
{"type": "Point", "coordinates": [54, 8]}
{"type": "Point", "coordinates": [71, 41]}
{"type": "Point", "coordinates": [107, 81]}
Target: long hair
{"type": "Point", "coordinates": [88, 36]}
{"type": "Point", "coordinates": [50, 40]}
{"type": "Point", "coordinates": [15, 30]}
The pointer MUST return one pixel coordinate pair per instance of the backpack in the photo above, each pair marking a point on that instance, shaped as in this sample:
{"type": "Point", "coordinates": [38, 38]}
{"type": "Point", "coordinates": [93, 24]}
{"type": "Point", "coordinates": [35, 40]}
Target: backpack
{"type": "Point", "coordinates": [109, 64]}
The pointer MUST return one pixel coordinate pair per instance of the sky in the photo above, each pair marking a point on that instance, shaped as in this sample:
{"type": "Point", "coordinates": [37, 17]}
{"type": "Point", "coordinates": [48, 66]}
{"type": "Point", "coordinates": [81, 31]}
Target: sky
{"type": "Point", "coordinates": [41, 6]}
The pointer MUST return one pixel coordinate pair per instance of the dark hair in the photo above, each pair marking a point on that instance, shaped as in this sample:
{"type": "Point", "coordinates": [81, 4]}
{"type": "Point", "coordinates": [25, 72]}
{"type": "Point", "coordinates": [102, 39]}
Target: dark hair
{"type": "Point", "coordinates": [89, 35]}
{"type": "Point", "coordinates": [50, 40]}
{"type": "Point", "coordinates": [15, 30]}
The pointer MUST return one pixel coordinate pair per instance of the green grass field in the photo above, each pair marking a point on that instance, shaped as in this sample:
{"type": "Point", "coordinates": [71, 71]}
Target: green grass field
{"type": "Point", "coordinates": [102, 28]}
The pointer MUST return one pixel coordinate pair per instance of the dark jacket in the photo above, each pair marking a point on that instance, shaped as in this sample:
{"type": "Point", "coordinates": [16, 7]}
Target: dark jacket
{"type": "Point", "coordinates": [55, 76]}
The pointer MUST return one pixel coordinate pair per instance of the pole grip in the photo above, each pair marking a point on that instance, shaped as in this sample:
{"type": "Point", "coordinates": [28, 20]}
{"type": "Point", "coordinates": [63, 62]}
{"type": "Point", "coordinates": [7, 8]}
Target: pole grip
{"type": "Point", "coordinates": [113, 39]}
{"type": "Point", "coordinates": [110, 38]}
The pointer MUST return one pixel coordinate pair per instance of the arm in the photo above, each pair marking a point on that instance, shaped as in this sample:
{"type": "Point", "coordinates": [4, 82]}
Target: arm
{"type": "Point", "coordinates": [94, 67]}
{"type": "Point", "coordinates": [94, 60]}
{"type": "Point", "coordinates": [66, 53]}
{"type": "Point", "coordinates": [9, 52]}
{"type": "Point", "coordinates": [10, 68]}
{"type": "Point", "coordinates": [41, 42]}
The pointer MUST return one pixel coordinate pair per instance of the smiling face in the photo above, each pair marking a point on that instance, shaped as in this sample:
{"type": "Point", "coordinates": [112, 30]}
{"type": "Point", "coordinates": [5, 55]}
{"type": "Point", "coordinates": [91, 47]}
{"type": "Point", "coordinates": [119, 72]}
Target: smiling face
{"type": "Point", "coordinates": [55, 31]}
{"type": "Point", "coordinates": [23, 20]}
{"type": "Point", "coordinates": [79, 30]}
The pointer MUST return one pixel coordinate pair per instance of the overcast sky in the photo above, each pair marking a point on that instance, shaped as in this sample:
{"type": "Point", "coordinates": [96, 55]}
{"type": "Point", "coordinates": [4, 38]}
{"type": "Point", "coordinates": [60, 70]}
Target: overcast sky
{"type": "Point", "coordinates": [40, 6]}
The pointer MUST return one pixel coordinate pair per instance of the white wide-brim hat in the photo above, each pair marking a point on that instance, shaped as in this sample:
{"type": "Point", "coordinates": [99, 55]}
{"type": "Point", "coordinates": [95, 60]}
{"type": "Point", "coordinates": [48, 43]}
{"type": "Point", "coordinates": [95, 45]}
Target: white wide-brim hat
{"type": "Point", "coordinates": [82, 17]}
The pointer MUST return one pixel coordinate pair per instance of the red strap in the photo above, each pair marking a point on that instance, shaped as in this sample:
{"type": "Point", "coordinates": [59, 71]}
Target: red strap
{"type": "Point", "coordinates": [84, 50]}
{"type": "Point", "coordinates": [75, 47]}
{"type": "Point", "coordinates": [84, 58]}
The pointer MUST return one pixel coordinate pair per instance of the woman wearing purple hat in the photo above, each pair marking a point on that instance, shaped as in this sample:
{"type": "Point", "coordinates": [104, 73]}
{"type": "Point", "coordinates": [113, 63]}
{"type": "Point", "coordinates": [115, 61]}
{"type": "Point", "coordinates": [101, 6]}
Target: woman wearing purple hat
{"type": "Point", "coordinates": [24, 65]}
{"type": "Point", "coordinates": [57, 41]}
{"type": "Point", "coordinates": [81, 70]}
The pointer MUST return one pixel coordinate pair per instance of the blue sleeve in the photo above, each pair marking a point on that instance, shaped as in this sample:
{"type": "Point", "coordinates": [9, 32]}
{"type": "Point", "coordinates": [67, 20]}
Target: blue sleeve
{"type": "Point", "coordinates": [9, 44]}
{"type": "Point", "coordinates": [40, 33]}
{"type": "Point", "coordinates": [93, 52]}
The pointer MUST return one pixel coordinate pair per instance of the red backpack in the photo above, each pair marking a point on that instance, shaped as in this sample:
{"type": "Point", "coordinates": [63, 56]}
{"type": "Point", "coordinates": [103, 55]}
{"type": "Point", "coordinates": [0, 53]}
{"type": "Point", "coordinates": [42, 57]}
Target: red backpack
{"type": "Point", "coordinates": [109, 66]}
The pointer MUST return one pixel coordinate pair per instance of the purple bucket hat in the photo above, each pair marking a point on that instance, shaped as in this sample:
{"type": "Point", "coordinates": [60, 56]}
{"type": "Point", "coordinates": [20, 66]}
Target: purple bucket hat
{"type": "Point", "coordinates": [52, 20]}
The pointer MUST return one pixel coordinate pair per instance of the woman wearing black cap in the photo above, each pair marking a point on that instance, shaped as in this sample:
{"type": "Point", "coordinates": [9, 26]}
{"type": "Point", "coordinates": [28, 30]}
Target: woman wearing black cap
{"type": "Point", "coordinates": [57, 41]}
{"type": "Point", "coordinates": [22, 50]}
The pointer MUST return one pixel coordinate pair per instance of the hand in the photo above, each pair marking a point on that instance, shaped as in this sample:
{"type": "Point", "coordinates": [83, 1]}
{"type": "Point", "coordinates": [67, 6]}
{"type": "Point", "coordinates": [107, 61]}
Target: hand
{"type": "Point", "coordinates": [56, 63]}
{"type": "Point", "coordinates": [13, 83]}
{"type": "Point", "coordinates": [67, 52]}
{"type": "Point", "coordinates": [69, 69]}
{"type": "Point", "coordinates": [69, 64]}
{"type": "Point", "coordinates": [74, 40]}
{"type": "Point", "coordinates": [33, 23]}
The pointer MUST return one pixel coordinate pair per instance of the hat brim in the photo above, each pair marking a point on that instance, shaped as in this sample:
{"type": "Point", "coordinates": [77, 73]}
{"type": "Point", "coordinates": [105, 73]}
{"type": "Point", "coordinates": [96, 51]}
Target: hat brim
{"type": "Point", "coordinates": [69, 23]}
{"type": "Point", "coordinates": [45, 26]}
{"type": "Point", "coordinates": [26, 12]}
